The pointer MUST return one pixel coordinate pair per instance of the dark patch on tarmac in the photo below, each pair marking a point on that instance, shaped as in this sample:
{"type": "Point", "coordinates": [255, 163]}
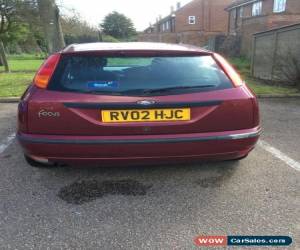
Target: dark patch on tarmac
{"type": "Point", "coordinates": [6, 156]}
{"type": "Point", "coordinates": [89, 190]}
{"type": "Point", "coordinates": [210, 182]}
{"type": "Point", "coordinates": [220, 177]}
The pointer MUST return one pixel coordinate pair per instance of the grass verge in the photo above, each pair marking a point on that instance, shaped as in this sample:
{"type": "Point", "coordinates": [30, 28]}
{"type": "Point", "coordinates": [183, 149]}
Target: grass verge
{"type": "Point", "coordinates": [17, 65]}
{"type": "Point", "coordinates": [22, 72]}
{"type": "Point", "coordinates": [14, 84]}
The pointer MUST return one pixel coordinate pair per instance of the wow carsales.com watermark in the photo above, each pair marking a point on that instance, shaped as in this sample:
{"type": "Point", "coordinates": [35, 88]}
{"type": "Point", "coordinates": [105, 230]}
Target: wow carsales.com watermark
{"type": "Point", "coordinates": [243, 241]}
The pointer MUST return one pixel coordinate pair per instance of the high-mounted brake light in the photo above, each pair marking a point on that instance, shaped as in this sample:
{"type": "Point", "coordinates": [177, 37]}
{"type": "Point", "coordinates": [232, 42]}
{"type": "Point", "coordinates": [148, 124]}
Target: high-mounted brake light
{"type": "Point", "coordinates": [229, 70]}
{"type": "Point", "coordinates": [45, 72]}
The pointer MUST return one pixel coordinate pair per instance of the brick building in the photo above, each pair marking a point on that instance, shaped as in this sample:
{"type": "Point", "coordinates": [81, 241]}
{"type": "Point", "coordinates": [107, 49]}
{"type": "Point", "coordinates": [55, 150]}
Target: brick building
{"type": "Point", "coordinates": [247, 17]}
{"type": "Point", "coordinates": [193, 23]}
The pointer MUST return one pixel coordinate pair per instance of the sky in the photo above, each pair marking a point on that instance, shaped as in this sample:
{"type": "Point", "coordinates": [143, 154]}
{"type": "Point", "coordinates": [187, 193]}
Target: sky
{"type": "Point", "coordinates": [141, 12]}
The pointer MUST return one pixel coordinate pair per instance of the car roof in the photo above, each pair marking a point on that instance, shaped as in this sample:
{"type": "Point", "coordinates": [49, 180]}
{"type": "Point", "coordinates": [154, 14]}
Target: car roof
{"type": "Point", "coordinates": [132, 46]}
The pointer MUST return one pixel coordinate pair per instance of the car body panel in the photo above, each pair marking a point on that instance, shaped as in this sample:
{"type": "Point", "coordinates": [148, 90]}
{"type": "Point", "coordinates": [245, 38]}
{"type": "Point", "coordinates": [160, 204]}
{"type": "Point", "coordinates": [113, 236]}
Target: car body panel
{"type": "Point", "coordinates": [225, 145]}
{"type": "Point", "coordinates": [233, 110]}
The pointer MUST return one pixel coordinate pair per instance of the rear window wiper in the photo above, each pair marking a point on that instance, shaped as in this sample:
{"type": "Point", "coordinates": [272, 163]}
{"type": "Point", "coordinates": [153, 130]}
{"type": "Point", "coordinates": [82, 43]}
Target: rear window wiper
{"type": "Point", "coordinates": [101, 92]}
{"type": "Point", "coordinates": [150, 91]}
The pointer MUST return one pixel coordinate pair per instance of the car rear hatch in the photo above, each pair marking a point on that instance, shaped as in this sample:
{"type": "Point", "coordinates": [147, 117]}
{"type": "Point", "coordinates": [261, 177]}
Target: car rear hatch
{"type": "Point", "coordinates": [102, 95]}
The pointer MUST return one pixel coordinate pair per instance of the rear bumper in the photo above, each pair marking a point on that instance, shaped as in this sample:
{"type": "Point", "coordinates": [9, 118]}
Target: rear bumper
{"type": "Point", "coordinates": [141, 149]}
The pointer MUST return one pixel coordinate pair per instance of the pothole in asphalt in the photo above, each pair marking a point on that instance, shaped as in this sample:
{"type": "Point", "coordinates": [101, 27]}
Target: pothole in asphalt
{"type": "Point", "coordinates": [89, 190]}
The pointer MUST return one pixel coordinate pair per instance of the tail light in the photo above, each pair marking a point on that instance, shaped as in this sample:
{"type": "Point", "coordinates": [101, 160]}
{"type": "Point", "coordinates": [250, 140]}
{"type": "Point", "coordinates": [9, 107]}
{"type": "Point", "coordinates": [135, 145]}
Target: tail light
{"type": "Point", "coordinates": [22, 116]}
{"type": "Point", "coordinates": [229, 70]}
{"type": "Point", "coordinates": [256, 118]}
{"type": "Point", "coordinates": [45, 72]}
{"type": "Point", "coordinates": [23, 110]}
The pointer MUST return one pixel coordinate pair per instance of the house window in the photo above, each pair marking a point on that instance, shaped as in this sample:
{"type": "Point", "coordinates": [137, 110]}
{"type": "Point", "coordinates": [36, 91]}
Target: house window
{"type": "Point", "coordinates": [192, 19]}
{"type": "Point", "coordinates": [173, 25]}
{"type": "Point", "coordinates": [257, 8]}
{"type": "Point", "coordinates": [167, 25]}
{"type": "Point", "coordinates": [279, 6]}
{"type": "Point", "coordinates": [234, 11]}
{"type": "Point", "coordinates": [241, 12]}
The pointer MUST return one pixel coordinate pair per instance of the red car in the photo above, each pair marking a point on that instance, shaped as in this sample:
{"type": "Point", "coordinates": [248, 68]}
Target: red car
{"type": "Point", "coordinates": [136, 103]}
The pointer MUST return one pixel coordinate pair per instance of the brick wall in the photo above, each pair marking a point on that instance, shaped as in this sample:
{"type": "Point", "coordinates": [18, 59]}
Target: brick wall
{"type": "Point", "coordinates": [293, 7]}
{"type": "Point", "coordinates": [210, 16]}
{"type": "Point", "coordinates": [218, 16]}
{"type": "Point", "coordinates": [196, 38]}
{"type": "Point", "coordinates": [194, 8]}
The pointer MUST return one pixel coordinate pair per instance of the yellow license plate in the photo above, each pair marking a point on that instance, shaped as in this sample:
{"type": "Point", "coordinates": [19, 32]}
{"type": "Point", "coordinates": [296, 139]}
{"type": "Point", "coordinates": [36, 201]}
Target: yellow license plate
{"type": "Point", "coordinates": [146, 115]}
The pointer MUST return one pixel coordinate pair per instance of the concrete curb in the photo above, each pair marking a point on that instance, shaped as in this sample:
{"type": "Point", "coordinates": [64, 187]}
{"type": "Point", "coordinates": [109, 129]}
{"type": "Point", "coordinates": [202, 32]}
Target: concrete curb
{"type": "Point", "coordinates": [279, 96]}
{"type": "Point", "coordinates": [16, 99]}
{"type": "Point", "coordinates": [9, 99]}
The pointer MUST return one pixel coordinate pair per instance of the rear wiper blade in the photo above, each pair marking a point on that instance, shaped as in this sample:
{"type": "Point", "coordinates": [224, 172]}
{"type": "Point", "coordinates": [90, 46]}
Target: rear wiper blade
{"type": "Point", "coordinates": [100, 92]}
{"type": "Point", "coordinates": [177, 88]}
{"type": "Point", "coordinates": [150, 91]}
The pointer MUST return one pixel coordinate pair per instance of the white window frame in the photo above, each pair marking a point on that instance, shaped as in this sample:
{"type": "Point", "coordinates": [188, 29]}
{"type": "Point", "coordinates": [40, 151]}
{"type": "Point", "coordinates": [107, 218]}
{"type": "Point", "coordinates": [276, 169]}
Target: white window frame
{"type": "Point", "coordinates": [192, 20]}
{"type": "Point", "coordinates": [279, 6]}
{"type": "Point", "coordinates": [257, 8]}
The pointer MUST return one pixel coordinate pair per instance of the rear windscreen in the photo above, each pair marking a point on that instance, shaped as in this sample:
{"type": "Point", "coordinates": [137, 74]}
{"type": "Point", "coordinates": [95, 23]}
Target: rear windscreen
{"type": "Point", "coordinates": [138, 76]}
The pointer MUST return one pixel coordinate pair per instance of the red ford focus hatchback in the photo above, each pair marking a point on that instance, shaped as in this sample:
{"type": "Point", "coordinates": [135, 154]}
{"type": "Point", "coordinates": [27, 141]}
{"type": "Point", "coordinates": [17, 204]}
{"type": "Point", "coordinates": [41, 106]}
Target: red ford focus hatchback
{"type": "Point", "coordinates": [136, 103]}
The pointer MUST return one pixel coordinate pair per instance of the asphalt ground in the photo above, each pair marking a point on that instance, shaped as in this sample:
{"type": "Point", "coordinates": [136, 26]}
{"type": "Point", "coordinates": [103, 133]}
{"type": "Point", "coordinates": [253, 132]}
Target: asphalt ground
{"type": "Point", "coordinates": [153, 207]}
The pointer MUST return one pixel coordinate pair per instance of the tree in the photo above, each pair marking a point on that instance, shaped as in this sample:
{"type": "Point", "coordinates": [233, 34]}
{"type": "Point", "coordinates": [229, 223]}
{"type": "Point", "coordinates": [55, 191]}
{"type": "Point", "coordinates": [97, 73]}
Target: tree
{"type": "Point", "coordinates": [76, 30]}
{"type": "Point", "coordinates": [35, 40]}
{"type": "Point", "coordinates": [8, 16]}
{"type": "Point", "coordinates": [50, 18]}
{"type": "Point", "coordinates": [118, 25]}
{"type": "Point", "coordinates": [18, 21]}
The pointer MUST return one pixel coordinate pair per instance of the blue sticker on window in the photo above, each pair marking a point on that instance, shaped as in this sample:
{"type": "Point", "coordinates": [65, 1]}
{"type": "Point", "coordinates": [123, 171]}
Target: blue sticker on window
{"type": "Point", "coordinates": [103, 84]}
